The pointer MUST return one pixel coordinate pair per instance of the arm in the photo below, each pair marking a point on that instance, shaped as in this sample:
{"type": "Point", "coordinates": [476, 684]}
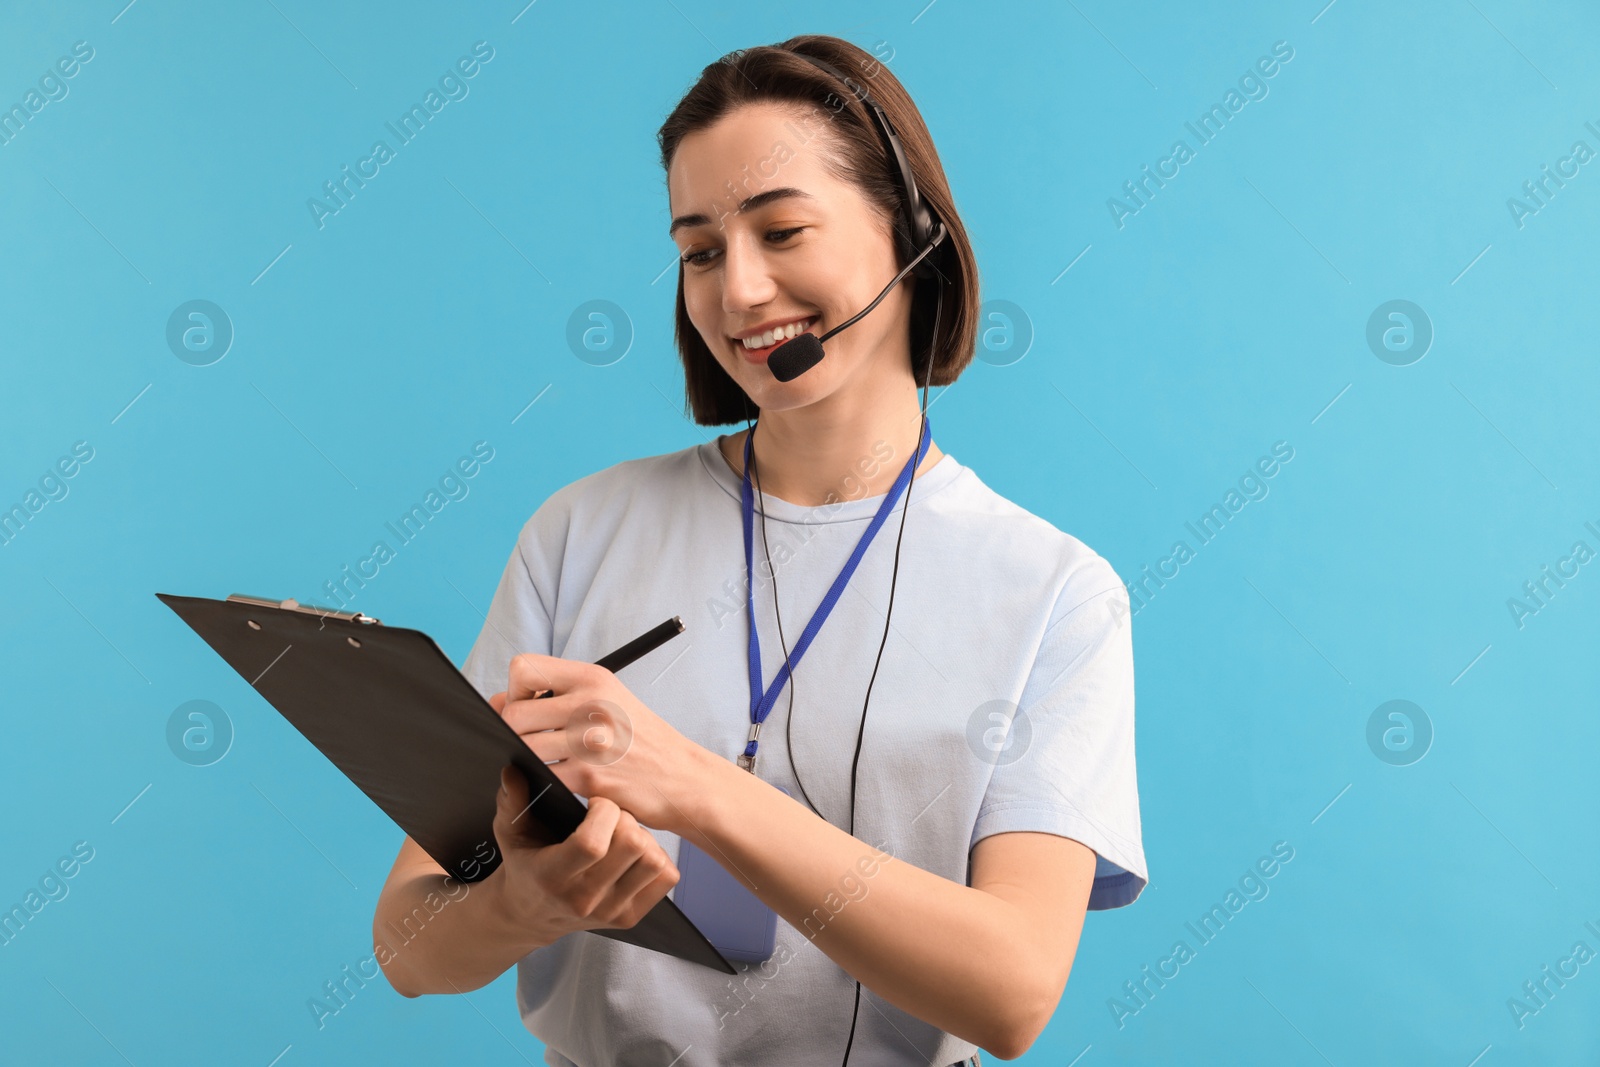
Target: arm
{"type": "Point", "coordinates": [433, 934]}
{"type": "Point", "coordinates": [1048, 878]}
{"type": "Point", "coordinates": [1024, 911]}
{"type": "Point", "coordinates": [460, 946]}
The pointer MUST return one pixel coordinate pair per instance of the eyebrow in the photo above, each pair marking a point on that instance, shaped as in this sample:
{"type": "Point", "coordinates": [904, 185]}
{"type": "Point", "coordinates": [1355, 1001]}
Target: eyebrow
{"type": "Point", "coordinates": [748, 204]}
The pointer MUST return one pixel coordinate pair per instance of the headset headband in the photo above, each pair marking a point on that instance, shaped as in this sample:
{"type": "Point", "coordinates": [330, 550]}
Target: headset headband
{"type": "Point", "coordinates": [923, 226]}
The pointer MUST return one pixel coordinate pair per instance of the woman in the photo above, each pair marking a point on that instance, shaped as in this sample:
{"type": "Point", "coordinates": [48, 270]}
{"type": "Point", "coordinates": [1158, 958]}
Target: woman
{"type": "Point", "coordinates": [937, 863]}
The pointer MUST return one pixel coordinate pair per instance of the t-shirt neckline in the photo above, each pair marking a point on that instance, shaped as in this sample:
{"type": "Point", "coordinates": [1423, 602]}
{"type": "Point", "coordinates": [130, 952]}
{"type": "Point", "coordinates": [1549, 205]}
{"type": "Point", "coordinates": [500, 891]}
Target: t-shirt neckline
{"type": "Point", "coordinates": [846, 509]}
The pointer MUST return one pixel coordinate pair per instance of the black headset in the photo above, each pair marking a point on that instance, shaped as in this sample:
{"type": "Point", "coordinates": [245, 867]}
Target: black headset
{"type": "Point", "coordinates": [924, 232]}
{"type": "Point", "coordinates": [923, 227]}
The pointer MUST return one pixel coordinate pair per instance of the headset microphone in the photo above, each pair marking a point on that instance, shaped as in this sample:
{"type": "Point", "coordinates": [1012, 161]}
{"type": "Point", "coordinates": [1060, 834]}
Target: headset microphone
{"type": "Point", "coordinates": [803, 351]}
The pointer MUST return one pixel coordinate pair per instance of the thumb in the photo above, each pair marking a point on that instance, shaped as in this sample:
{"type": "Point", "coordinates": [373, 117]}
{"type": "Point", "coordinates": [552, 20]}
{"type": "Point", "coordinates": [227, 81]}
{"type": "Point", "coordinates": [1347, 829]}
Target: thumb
{"type": "Point", "coordinates": [514, 824]}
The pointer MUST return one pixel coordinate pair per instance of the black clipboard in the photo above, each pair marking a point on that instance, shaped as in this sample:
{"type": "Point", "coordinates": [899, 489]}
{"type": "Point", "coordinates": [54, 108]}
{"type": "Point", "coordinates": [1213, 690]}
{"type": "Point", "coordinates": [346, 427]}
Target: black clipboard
{"type": "Point", "coordinates": [390, 710]}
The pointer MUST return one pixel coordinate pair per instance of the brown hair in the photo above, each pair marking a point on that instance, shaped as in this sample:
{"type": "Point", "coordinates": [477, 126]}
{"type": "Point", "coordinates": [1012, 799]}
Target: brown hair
{"type": "Point", "coordinates": [772, 73]}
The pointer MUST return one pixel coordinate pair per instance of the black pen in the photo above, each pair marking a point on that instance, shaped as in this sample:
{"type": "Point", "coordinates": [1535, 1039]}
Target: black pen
{"type": "Point", "coordinates": [637, 648]}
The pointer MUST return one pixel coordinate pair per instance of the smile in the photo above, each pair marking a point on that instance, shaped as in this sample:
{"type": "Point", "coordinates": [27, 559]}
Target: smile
{"type": "Point", "coordinates": [756, 348]}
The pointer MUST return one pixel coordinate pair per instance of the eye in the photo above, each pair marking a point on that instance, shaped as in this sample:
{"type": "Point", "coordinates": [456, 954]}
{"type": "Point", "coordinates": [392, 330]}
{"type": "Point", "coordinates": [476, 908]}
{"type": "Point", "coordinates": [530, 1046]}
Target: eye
{"type": "Point", "coordinates": [703, 257]}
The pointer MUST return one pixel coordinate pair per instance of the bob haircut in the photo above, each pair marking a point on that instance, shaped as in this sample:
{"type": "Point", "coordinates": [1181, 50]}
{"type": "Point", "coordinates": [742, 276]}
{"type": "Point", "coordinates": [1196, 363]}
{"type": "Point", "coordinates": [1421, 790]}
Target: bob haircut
{"type": "Point", "coordinates": [774, 73]}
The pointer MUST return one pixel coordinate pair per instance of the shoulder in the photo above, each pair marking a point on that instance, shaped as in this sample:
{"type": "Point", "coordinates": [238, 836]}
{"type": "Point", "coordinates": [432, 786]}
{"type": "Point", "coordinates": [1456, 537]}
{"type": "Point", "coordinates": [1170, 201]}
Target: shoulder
{"type": "Point", "coordinates": [1024, 548]}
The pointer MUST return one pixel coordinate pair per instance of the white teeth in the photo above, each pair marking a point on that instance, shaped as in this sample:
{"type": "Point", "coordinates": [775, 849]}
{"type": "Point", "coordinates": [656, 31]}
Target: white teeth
{"type": "Point", "coordinates": [782, 333]}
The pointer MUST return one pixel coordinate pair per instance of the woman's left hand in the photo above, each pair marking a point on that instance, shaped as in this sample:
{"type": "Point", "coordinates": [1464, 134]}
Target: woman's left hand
{"type": "Point", "coordinates": [609, 742]}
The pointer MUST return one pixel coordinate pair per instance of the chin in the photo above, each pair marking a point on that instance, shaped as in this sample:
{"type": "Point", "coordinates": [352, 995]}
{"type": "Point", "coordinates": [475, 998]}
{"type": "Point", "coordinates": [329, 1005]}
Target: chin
{"type": "Point", "coordinates": [773, 395]}
{"type": "Point", "coordinates": [788, 399]}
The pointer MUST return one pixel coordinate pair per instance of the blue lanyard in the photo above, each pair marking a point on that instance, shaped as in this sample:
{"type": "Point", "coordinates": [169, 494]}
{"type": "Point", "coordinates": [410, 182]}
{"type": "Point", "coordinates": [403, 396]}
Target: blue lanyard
{"type": "Point", "coordinates": [761, 704]}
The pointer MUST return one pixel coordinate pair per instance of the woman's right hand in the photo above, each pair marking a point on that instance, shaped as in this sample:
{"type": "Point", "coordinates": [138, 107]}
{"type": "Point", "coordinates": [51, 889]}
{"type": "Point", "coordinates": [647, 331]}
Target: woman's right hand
{"type": "Point", "coordinates": [606, 875]}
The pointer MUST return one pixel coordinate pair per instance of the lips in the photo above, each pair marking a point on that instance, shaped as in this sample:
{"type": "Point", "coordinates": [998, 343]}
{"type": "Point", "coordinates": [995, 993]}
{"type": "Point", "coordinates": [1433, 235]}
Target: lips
{"type": "Point", "coordinates": [759, 355]}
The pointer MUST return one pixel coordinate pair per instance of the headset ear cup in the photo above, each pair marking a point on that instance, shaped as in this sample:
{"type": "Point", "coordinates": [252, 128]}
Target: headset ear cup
{"type": "Point", "coordinates": [929, 267]}
{"type": "Point", "coordinates": [905, 244]}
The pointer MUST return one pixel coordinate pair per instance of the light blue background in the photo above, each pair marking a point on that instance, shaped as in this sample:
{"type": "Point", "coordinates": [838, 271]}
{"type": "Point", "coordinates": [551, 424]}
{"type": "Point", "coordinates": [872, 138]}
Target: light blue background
{"type": "Point", "coordinates": [1225, 316]}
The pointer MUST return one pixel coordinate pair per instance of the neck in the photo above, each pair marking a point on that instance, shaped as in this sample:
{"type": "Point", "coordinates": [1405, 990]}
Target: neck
{"type": "Point", "coordinates": [851, 444]}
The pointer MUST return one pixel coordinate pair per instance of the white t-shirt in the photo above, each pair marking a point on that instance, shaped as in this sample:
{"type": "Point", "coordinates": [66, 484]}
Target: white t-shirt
{"type": "Point", "coordinates": [994, 610]}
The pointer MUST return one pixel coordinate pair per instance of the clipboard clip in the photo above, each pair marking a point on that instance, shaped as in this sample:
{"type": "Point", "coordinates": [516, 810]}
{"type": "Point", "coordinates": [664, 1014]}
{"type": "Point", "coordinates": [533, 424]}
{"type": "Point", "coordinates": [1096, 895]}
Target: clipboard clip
{"type": "Point", "coordinates": [310, 609]}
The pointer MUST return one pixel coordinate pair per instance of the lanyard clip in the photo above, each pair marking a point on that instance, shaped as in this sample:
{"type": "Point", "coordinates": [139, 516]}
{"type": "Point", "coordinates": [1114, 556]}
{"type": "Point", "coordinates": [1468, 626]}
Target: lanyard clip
{"type": "Point", "coordinates": [749, 762]}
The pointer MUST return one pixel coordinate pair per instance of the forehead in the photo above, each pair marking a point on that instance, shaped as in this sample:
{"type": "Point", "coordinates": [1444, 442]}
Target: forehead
{"type": "Point", "coordinates": [751, 149]}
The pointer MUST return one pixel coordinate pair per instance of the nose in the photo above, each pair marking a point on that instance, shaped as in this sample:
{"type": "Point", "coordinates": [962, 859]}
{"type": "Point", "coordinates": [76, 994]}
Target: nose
{"type": "Point", "coordinates": [746, 278]}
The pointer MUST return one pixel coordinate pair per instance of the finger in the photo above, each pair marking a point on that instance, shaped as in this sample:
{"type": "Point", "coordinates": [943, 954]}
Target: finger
{"type": "Point", "coordinates": [549, 745]}
{"type": "Point", "coordinates": [529, 714]}
{"type": "Point", "coordinates": [587, 845]}
{"type": "Point", "coordinates": [647, 898]}
{"type": "Point", "coordinates": [642, 885]}
{"type": "Point", "coordinates": [530, 672]}
{"type": "Point", "coordinates": [596, 731]}
{"type": "Point", "coordinates": [514, 827]}
{"type": "Point", "coordinates": [499, 701]}
{"type": "Point", "coordinates": [627, 867]}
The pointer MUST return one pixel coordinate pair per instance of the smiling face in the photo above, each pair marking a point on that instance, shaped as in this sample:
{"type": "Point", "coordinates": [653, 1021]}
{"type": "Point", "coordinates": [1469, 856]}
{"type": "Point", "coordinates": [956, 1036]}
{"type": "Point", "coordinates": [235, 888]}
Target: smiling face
{"type": "Point", "coordinates": [807, 250]}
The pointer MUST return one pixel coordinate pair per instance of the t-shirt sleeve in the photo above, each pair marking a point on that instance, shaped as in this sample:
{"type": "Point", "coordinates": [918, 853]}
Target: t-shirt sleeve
{"type": "Point", "coordinates": [519, 618]}
{"type": "Point", "coordinates": [1069, 767]}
